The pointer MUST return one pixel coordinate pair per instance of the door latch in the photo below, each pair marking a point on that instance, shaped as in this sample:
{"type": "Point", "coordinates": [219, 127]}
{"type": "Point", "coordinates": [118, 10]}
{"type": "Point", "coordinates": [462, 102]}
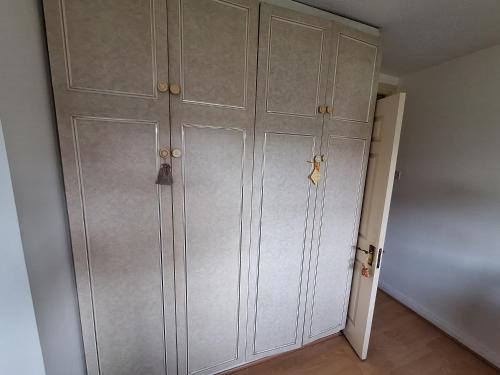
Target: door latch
{"type": "Point", "coordinates": [379, 257]}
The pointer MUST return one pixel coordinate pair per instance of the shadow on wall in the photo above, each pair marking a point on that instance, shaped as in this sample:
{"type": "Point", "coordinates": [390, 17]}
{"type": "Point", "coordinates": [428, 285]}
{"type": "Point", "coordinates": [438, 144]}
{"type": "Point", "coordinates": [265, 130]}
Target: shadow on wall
{"type": "Point", "coordinates": [443, 238]}
{"type": "Point", "coordinates": [443, 253]}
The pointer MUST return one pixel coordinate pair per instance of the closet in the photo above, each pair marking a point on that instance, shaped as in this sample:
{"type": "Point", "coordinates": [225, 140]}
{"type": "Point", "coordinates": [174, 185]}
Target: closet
{"type": "Point", "coordinates": [314, 99]}
{"type": "Point", "coordinates": [243, 255]}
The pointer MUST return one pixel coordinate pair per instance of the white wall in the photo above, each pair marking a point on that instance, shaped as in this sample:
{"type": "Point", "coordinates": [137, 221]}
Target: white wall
{"type": "Point", "coordinates": [443, 242]}
{"type": "Point", "coordinates": [31, 141]}
{"type": "Point", "coordinates": [20, 351]}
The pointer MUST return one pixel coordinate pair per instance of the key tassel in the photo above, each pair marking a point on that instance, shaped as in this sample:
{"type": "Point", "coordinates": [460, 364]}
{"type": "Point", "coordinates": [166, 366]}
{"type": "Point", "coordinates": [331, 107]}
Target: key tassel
{"type": "Point", "coordinates": [164, 175]}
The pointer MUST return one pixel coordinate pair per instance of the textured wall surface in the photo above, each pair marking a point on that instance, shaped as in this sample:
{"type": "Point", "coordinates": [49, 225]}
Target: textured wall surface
{"type": "Point", "coordinates": [443, 252]}
{"type": "Point", "coordinates": [27, 116]}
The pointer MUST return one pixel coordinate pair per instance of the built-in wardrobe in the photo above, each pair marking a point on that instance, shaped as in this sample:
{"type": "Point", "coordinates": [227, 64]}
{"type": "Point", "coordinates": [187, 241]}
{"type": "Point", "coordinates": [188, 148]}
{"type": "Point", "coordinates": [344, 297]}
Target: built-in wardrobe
{"type": "Point", "coordinates": [261, 118]}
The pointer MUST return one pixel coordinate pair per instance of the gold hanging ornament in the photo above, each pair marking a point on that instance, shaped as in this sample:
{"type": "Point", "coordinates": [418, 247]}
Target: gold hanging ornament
{"type": "Point", "coordinates": [315, 174]}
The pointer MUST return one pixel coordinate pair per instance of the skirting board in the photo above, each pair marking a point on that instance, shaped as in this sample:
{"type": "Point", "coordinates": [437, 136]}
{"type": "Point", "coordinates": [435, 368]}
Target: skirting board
{"type": "Point", "coordinates": [449, 329]}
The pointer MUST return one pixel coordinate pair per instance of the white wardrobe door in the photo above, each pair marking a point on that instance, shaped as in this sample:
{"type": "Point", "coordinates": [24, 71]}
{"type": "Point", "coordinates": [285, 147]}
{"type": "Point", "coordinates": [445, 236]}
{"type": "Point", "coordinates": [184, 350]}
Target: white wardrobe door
{"type": "Point", "coordinates": [293, 61]}
{"type": "Point", "coordinates": [111, 121]}
{"type": "Point", "coordinates": [213, 49]}
{"type": "Point", "coordinates": [336, 229]}
{"type": "Point", "coordinates": [351, 92]}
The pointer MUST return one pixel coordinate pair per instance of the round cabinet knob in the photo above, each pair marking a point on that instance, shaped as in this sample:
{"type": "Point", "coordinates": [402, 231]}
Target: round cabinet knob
{"type": "Point", "coordinates": [162, 86]}
{"type": "Point", "coordinates": [176, 153]}
{"type": "Point", "coordinates": [322, 109]}
{"type": "Point", "coordinates": [164, 153]}
{"type": "Point", "coordinates": [175, 89]}
{"type": "Point", "coordinates": [329, 109]}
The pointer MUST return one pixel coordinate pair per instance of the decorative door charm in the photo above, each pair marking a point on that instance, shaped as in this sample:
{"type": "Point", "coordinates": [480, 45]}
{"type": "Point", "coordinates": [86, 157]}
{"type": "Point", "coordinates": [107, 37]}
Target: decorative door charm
{"type": "Point", "coordinates": [165, 172]}
{"type": "Point", "coordinates": [365, 271]}
{"type": "Point", "coordinates": [315, 174]}
{"type": "Point", "coordinates": [368, 261]}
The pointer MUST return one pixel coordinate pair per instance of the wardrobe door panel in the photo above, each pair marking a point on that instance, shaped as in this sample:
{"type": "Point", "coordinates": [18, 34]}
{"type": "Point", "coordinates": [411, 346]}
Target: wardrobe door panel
{"type": "Point", "coordinates": [99, 37]}
{"type": "Point", "coordinates": [293, 65]}
{"type": "Point", "coordinates": [346, 139]}
{"type": "Point", "coordinates": [338, 206]}
{"type": "Point", "coordinates": [111, 122]}
{"type": "Point", "coordinates": [122, 227]}
{"type": "Point", "coordinates": [285, 204]}
{"type": "Point", "coordinates": [354, 78]}
{"type": "Point", "coordinates": [213, 170]}
{"type": "Point", "coordinates": [213, 49]}
{"type": "Point", "coordinates": [214, 52]}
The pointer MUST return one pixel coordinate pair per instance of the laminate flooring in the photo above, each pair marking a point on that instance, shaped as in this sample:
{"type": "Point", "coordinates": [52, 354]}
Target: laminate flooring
{"type": "Point", "coordinates": [402, 343]}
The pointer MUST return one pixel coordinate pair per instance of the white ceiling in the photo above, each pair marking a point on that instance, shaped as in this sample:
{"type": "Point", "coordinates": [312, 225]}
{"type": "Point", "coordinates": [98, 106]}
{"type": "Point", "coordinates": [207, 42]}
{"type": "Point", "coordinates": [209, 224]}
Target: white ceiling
{"type": "Point", "coordinates": [421, 33]}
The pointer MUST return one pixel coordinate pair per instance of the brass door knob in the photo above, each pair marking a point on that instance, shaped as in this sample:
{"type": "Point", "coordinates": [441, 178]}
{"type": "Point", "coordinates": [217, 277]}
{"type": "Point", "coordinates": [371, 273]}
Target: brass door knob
{"type": "Point", "coordinates": [322, 109]}
{"type": "Point", "coordinates": [164, 153]}
{"type": "Point", "coordinates": [162, 86]}
{"type": "Point", "coordinates": [175, 89]}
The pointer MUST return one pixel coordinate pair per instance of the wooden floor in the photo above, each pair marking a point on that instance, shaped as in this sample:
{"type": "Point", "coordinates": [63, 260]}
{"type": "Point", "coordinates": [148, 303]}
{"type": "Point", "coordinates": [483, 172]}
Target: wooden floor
{"type": "Point", "coordinates": [402, 343]}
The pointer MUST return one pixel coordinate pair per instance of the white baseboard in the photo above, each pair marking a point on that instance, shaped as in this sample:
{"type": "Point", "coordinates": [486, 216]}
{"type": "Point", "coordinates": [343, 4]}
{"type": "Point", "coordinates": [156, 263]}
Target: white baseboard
{"type": "Point", "coordinates": [457, 334]}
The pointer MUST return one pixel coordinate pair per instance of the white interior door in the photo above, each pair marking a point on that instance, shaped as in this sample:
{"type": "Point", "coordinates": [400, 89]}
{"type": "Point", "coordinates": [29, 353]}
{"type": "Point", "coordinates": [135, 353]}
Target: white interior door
{"type": "Point", "coordinates": [376, 204]}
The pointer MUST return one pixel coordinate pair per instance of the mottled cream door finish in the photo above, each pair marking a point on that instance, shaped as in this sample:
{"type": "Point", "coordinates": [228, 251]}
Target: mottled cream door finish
{"type": "Point", "coordinates": [213, 53]}
{"type": "Point", "coordinates": [106, 57]}
{"type": "Point", "coordinates": [293, 65]}
{"type": "Point", "coordinates": [351, 94]}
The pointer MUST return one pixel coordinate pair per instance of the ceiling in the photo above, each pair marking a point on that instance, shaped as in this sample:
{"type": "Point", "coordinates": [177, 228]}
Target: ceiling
{"type": "Point", "coordinates": [421, 33]}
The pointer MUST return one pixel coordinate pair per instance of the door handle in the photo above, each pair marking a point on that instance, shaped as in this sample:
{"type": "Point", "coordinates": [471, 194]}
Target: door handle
{"type": "Point", "coordinates": [363, 250]}
{"type": "Point", "coordinates": [176, 153]}
{"type": "Point", "coordinates": [370, 252]}
{"type": "Point", "coordinates": [175, 89]}
{"type": "Point", "coordinates": [162, 86]}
